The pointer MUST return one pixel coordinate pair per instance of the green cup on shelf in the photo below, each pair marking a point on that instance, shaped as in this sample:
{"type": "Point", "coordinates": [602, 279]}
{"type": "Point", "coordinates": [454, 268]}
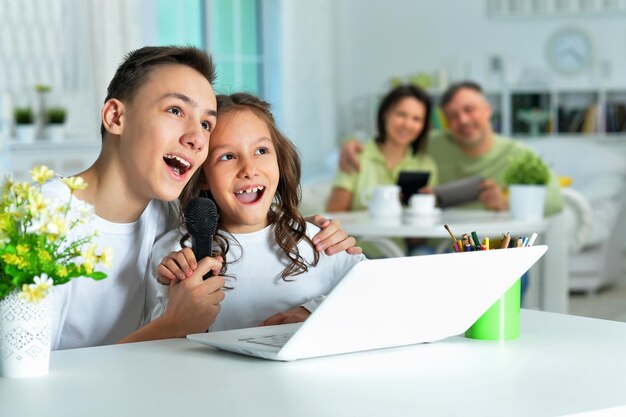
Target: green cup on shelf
{"type": "Point", "coordinates": [501, 321]}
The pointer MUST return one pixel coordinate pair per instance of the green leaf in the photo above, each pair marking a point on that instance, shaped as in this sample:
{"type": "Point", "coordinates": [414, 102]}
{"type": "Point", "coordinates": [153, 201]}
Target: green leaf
{"type": "Point", "coordinates": [97, 275]}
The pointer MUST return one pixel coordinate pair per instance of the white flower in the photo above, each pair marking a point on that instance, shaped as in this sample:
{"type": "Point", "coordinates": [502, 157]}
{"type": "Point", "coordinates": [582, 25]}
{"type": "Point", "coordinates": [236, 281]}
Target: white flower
{"type": "Point", "coordinates": [83, 212]}
{"type": "Point", "coordinates": [43, 281]}
{"type": "Point", "coordinates": [34, 293]}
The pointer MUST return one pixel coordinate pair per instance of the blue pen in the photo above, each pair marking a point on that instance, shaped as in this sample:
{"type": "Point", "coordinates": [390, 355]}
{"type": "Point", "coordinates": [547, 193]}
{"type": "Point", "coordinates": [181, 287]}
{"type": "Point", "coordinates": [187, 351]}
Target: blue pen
{"type": "Point", "coordinates": [524, 241]}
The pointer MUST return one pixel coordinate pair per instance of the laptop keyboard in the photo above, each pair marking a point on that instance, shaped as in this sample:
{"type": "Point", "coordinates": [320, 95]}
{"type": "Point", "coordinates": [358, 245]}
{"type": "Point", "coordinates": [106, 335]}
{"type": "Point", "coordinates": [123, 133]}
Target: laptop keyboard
{"type": "Point", "coordinates": [275, 340]}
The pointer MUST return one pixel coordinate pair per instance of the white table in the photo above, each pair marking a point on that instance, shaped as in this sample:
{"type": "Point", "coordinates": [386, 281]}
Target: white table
{"type": "Point", "coordinates": [559, 365]}
{"type": "Point", "coordinates": [548, 290]}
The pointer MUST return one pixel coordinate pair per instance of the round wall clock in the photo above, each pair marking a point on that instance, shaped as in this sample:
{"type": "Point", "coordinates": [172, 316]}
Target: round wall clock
{"type": "Point", "coordinates": [569, 51]}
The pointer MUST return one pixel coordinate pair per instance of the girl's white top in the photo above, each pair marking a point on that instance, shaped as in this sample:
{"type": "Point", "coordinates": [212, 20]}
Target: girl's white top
{"type": "Point", "coordinates": [258, 291]}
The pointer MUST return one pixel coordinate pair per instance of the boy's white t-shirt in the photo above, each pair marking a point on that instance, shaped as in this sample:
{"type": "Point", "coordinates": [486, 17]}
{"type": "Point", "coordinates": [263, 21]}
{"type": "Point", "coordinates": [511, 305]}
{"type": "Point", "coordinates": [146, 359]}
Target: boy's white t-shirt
{"type": "Point", "coordinates": [92, 313]}
{"type": "Point", "coordinates": [258, 290]}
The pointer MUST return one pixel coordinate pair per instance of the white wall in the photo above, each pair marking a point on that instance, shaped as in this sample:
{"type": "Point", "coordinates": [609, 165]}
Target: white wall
{"type": "Point", "coordinates": [378, 39]}
{"type": "Point", "coordinates": [307, 90]}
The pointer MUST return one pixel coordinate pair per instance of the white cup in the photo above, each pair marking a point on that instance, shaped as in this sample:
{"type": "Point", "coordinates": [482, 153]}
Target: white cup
{"type": "Point", "coordinates": [422, 203]}
{"type": "Point", "coordinates": [382, 200]}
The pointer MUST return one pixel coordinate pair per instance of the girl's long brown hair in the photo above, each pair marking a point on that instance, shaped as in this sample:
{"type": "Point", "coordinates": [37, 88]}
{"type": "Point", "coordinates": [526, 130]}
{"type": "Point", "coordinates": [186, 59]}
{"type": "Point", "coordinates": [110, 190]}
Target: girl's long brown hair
{"type": "Point", "coordinates": [288, 224]}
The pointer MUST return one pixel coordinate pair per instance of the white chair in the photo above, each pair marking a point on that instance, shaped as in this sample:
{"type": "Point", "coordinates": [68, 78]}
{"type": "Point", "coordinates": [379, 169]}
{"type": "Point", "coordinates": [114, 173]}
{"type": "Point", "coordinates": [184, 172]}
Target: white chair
{"type": "Point", "coordinates": [594, 208]}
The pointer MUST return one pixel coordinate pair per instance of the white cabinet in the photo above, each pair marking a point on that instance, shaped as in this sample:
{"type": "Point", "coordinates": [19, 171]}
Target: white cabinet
{"type": "Point", "coordinates": [66, 158]}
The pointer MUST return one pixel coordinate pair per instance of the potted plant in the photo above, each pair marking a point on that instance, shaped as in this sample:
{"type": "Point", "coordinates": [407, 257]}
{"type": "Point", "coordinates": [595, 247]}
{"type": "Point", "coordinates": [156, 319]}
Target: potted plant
{"type": "Point", "coordinates": [55, 117]}
{"type": "Point", "coordinates": [24, 124]}
{"type": "Point", "coordinates": [527, 177]}
{"type": "Point", "coordinates": [39, 249]}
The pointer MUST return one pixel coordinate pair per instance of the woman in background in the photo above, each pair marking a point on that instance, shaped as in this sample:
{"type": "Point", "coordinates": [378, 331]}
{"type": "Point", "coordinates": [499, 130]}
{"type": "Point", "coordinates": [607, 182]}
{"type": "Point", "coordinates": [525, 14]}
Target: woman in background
{"type": "Point", "coordinates": [403, 122]}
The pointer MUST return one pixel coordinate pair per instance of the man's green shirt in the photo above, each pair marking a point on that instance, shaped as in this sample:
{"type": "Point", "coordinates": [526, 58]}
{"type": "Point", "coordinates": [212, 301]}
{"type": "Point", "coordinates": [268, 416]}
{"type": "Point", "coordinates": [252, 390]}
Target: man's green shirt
{"type": "Point", "coordinates": [453, 165]}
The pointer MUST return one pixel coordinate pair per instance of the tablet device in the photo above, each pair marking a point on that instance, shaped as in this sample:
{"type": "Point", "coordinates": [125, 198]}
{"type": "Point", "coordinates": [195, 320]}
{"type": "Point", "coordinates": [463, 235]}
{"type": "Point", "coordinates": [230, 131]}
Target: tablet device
{"type": "Point", "coordinates": [458, 192]}
{"type": "Point", "coordinates": [410, 182]}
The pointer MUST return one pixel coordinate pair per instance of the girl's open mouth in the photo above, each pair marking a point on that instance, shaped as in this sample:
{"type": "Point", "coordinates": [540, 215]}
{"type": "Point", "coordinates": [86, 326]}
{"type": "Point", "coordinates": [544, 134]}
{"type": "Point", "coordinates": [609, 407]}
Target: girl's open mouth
{"type": "Point", "coordinates": [250, 195]}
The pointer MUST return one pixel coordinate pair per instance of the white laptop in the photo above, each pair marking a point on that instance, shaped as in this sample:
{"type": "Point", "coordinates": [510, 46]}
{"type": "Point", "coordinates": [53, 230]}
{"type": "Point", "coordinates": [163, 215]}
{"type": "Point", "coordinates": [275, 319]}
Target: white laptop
{"type": "Point", "coordinates": [389, 302]}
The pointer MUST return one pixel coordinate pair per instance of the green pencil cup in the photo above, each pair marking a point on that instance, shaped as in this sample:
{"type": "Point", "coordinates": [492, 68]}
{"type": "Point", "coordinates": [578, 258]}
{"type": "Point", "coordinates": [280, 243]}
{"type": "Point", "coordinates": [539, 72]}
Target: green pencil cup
{"type": "Point", "coordinates": [501, 321]}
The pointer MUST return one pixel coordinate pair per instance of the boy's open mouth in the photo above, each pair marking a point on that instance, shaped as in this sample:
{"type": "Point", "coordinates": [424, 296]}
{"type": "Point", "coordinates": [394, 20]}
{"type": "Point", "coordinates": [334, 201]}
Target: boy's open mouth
{"type": "Point", "coordinates": [177, 164]}
{"type": "Point", "coordinates": [250, 195]}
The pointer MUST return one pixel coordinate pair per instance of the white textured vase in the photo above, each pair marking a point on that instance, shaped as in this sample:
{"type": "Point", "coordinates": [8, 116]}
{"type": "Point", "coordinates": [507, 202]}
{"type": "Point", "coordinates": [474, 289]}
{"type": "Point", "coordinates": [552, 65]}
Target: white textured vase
{"type": "Point", "coordinates": [25, 336]}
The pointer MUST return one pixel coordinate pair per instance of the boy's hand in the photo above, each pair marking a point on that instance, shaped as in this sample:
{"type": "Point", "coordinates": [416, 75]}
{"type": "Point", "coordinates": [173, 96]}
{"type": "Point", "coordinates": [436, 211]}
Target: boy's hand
{"type": "Point", "coordinates": [295, 315]}
{"type": "Point", "coordinates": [332, 238]}
{"type": "Point", "coordinates": [349, 156]}
{"type": "Point", "coordinates": [194, 303]}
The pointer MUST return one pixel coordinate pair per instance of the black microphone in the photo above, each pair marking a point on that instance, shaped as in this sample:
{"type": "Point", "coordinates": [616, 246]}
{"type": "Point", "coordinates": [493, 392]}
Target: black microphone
{"type": "Point", "coordinates": [201, 221]}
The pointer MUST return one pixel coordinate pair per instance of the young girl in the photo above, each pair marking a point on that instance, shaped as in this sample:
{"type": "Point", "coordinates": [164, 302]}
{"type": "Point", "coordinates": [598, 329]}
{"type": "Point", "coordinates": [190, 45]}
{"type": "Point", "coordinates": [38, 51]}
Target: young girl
{"type": "Point", "coordinates": [252, 173]}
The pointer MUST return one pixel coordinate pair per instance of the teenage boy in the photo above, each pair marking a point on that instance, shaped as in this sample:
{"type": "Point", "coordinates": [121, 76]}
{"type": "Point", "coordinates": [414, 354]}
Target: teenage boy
{"type": "Point", "coordinates": [157, 118]}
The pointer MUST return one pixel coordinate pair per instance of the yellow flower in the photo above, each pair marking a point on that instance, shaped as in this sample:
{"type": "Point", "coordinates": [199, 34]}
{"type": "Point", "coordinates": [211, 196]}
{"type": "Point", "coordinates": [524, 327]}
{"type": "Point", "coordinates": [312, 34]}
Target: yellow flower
{"type": "Point", "coordinates": [33, 293]}
{"type": "Point", "coordinates": [61, 271]}
{"type": "Point", "coordinates": [5, 222]}
{"type": "Point", "coordinates": [106, 257]}
{"type": "Point", "coordinates": [22, 189]}
{"type": "Point", "coordinates": [29, 295]}
{"type": "Point", "coordinates": [37, 203]}
{"type": "Point", "coordinates": [43, 255]}
{"type": "Point", "coordinates": [41, 174]}
{"type": "Point", "coordinates": [90, 258]}
{"type": "Point", "coordinates": [75, 183]}
{"type": "Point", "coordinates": [58, 225]}
{"type": "Point", "coordinates": [15, 260]}
{"type": "Point", "coordinates": [22, 249]}
{"type": "Point", "coordinates": [7, 184]}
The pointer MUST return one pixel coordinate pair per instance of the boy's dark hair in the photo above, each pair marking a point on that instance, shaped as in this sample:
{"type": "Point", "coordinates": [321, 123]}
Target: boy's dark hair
{"type": "Point", "coordinates": [391, 99]}
{"type": "Point", "coordinates": [134, 70]}
{"type": "Point", "coordinates": [449, 94]}
{"type": "Point", "coordinates": [289, 225]}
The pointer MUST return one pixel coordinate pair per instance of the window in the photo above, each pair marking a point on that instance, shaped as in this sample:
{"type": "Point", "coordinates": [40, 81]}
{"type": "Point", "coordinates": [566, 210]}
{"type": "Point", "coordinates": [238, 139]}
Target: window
{"type": "Point", "coordinates": [181, 23]}
{"type": "Point", "coordinates": [228, 29]}
{"type": "Point", "coordinates": [235, 41]}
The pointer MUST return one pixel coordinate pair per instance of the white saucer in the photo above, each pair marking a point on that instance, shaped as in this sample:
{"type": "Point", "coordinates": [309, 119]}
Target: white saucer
{"type": "Point", "coordinates": [433, 213]}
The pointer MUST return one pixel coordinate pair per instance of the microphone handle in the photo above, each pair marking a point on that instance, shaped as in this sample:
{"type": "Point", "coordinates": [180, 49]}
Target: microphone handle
{"type": "Point", "coordinates": [202, 247]}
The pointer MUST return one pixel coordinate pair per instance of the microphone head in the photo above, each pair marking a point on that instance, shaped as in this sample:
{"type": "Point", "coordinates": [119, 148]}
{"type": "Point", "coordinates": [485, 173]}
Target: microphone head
{"type": "Point", "coordinates": [201, 217]}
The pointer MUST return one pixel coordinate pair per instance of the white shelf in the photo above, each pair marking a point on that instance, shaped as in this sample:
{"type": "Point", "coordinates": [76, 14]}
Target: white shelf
{"type": "Point", "coordinates": [608, 114]}
{"type": "Point", "coordinates": [65, 158]}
